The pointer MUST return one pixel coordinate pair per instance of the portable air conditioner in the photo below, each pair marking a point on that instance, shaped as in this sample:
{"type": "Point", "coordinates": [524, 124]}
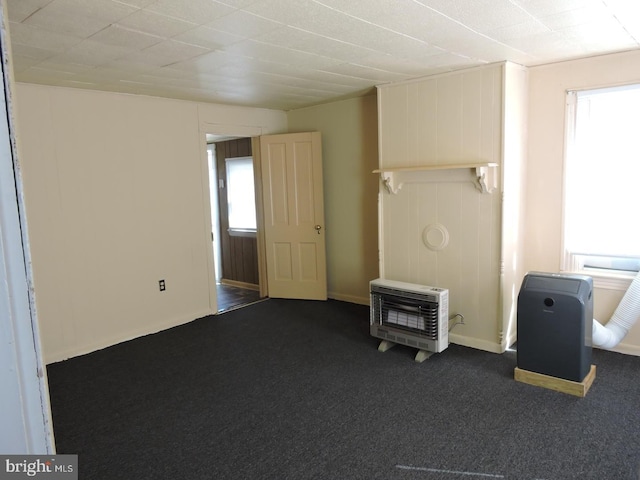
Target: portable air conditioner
{"type": "Point", "coordinates": [410, 314]}
{"type": "Point", "coordinates": [555, 318]}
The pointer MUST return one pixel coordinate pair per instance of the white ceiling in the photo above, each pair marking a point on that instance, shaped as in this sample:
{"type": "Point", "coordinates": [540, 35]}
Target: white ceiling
{"type": "Point", "coordinates": [287, 54]}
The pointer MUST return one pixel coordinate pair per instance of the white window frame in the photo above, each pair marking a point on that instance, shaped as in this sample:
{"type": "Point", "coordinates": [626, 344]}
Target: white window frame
{"type": "Point", "coordinates": [603, 271]}
{"type": "Point", "coordinates": [236, 231]}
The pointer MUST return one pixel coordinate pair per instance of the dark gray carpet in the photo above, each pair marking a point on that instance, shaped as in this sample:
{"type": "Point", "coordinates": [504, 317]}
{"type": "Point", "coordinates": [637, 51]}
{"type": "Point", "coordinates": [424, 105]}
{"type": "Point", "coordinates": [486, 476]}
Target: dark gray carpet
{"type": "Point", "coordinates": [287, 389]}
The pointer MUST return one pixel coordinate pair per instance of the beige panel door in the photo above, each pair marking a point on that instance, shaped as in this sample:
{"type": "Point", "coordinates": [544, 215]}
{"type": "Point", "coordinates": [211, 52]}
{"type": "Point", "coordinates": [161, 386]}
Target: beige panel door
{"type": "Point", "coordinates": [294, 215]}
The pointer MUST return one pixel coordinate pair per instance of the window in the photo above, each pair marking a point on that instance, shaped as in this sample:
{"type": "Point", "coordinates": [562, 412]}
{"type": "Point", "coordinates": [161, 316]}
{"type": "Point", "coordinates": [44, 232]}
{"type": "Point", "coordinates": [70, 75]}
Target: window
{"type": "Point", "coordinates": [241, 195]}
{"type": "Point", "coordinates": [602, 170]}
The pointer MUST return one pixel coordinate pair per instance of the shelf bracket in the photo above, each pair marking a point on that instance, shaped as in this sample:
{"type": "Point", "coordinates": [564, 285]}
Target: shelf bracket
{"type": "Point", "coordinates": [486, 178]}
{"type": "Point", "coordinates": [483, 175]}
{"type": "Point", "coordinates": [388, 180]}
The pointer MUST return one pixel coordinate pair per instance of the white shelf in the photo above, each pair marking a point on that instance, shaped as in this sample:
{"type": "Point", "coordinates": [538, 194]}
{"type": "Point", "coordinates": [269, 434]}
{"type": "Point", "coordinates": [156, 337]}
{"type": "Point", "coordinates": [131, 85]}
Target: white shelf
{"type": "Point", "coordinates": [485, 175]}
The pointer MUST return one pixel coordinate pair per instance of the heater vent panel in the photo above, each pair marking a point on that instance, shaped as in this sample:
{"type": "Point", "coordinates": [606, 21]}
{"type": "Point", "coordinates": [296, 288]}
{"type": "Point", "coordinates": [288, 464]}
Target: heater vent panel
{"type": "Point", "coordinates": [414, 315]}
{"type": "Point", "coordinates": [411, 315]}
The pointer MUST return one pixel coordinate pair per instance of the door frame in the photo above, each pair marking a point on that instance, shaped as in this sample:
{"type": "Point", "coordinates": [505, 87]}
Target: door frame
{"type": "Point", "coordinates": [262, 244]}
{"type": "Point", "coordinates": [27, 421]}
{"type": "Point", "coordinates": [226, 132]}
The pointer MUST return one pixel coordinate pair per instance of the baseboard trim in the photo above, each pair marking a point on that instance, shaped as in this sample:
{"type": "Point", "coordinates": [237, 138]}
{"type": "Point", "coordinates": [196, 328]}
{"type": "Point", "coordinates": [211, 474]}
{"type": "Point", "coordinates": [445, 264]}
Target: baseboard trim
{"type": "Point", "coordinates": [624, 348]}
{"type": "Point", "coordinates": [87, 348]}
{"type": "Point", "coordinates": [348, 298]}
{"type": "Point", "coordinates": [476, 343]}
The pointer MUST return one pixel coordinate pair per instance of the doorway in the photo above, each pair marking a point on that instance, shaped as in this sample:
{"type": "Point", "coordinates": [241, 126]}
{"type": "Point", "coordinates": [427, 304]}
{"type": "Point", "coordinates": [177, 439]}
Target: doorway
{"type": "Point", "coordinates": [233, 219]}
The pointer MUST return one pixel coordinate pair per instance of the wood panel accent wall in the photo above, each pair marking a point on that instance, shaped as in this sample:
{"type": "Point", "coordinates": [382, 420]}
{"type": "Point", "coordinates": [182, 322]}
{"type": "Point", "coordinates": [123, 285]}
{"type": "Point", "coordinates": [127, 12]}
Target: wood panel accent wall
{"type": "Point", "coordinates": [239, 254]}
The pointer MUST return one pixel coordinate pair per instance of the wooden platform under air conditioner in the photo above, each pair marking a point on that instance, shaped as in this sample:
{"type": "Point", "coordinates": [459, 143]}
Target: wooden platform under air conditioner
{"type": "Point", "coordinates": [578, 389]}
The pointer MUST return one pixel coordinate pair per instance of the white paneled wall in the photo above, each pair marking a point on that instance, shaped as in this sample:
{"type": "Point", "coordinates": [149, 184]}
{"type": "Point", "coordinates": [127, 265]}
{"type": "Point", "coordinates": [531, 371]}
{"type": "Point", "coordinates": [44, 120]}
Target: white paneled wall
{"type": "Point", "coordinates": [439, 229]}
{"type": "Point", "coordinates": [453, 118]}
{"type": "Point", "coordinates": [468, 265]}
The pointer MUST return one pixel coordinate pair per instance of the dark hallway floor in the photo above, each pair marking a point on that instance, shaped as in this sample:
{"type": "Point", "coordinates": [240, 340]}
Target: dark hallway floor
{"type": "Point", "coordinates": [230, 297]}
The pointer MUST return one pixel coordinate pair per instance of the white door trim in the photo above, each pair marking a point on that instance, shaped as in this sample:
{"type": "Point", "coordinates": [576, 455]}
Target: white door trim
{"type": "Point", "coordinates": [233, 131]}
{"type": "Point", "coordinates": [25, 416]}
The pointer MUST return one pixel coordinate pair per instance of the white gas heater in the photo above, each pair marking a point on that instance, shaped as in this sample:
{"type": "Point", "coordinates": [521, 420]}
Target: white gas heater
{"type": "Point", "coordinates": [410, 314]}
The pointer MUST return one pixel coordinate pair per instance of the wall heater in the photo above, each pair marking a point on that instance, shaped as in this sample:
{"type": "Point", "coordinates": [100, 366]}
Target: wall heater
{"type": "Point", "coordinates": [410, 314]}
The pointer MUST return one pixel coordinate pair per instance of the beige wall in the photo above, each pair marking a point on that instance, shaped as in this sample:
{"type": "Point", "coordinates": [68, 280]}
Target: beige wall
{"type": "Point", "coordinates": [547, 97]}
{"type": "Point", "coordinates": [117, 199]}
{"type": "Point", "coordinates": [350, 154]}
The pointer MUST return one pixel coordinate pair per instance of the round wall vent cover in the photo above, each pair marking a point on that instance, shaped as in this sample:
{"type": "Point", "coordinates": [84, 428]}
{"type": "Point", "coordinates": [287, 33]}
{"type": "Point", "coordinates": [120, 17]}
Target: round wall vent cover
{"type": "Point", "coordinates": [435, 236]}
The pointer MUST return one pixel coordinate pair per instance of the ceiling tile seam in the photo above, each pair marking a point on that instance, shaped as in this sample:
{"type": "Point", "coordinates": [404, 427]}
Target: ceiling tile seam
{"type": "Point", "coordinates": [135, 30]}
{"type": "Point", "coordinates": [50, 53]}
{"type": "Point", "coordinates": [375, 51]}
{"type": "Point", "coordinates": [293, 77]}
{"type": "Point", "coordinates": [443, 50]}
{"type": "Point", "coordinates": [260, 77]}
{"type": "Point", "coordinates": [261, 17]}
{"type": "Point", "coordinates": [34, 12]}
{"type": "Point", "coordinates": [530, 15]}
{"type": "Point", "coordinates": [235, 55]}
{"type": "Point", "coordinates": [341, 62]}
{"type": "Point", "coordinates": [222, 46]}
{"type": "Point", "coordinates": [622, 25]}
{"type": "Point", "coordinates": [171, 17]}
{"type": "Point", "coordinates": [182, 43]}
{"type": "Point", "coordinates": [193, 25]}
{"type": "Point", "coordinates": [340, 75]}
{"type": "Point", "coordinates": [452, 52]}
{"type": "Point", "coordinates": [371, 68]}
{"type": "Point", "coordinates": [378, 25]}
{"type": "Point", "coordinates": [127, 4]}
{"type": "Point", "coordinates": [344, 42]}
{"type": "Point", "coordinates": [276, 63]}
{"type": "Point", "coordinates": [55, 70]}
{"type": "Point", "coordinates": [76, 40]}
{"type": "Point", "coordinates": [372, 50]}
{"type": "Point", "coordinates": [334, 74]}
{"type": "Point", "coordinates": [312, 80]}
{"type": "Point", "coordinates": [298, 90]}
{"type": "Point", "coordinates": [136, 82]}
{"type": "Point", "coordinates": [306, 52]}
{"type": "Point", "coordinates": [356, 77]}
{"type": "Point", "coordinates": [81, 82]}
{"type": "Point", "coordinates": [324, 57]}
{"type": "Point", "coordinates": [296, 87]}
{"type": "Point", "coordinates": [127, 29]}
{"type": "Point", "coordinates": [319, 56]}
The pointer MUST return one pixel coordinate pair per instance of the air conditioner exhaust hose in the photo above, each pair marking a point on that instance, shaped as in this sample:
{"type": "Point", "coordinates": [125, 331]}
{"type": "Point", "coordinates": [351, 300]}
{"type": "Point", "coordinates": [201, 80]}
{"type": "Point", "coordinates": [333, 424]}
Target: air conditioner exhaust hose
{"type": "Point", "coordinates": [624, 317]}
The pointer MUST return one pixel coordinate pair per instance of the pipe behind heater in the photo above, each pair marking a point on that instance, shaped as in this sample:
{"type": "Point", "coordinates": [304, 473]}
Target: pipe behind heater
{"type": "Point", "coordinates": [624, 317]}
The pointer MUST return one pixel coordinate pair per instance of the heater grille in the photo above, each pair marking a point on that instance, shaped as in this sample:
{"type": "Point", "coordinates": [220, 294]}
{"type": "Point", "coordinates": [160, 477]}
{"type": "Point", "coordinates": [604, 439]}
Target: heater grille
{"type": "Point", "coordinates": [414, 315]}
{"type": "Point", "coordinates": [408, 314]}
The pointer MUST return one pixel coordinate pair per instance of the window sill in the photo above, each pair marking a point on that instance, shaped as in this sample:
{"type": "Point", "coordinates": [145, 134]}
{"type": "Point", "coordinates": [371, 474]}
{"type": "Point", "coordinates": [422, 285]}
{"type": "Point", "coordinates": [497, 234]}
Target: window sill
{"type": "Point", "coordinates": [608, 280]}
{"type": "Point", "coordinates": [242, 232]}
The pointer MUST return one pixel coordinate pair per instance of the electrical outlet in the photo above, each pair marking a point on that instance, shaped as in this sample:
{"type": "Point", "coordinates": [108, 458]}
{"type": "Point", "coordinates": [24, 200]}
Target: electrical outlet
{"type": "Point", "coordinates": [162, 285]}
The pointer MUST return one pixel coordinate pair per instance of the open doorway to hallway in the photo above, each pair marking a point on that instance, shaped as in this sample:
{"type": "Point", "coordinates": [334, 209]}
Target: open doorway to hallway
{"type": "Point", "coordinates": [234, 222]}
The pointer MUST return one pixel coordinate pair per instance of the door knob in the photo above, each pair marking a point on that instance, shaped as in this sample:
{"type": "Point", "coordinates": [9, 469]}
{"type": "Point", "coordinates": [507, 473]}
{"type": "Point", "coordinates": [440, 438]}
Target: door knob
{"type": "Point", "coordinates": [318, 228]}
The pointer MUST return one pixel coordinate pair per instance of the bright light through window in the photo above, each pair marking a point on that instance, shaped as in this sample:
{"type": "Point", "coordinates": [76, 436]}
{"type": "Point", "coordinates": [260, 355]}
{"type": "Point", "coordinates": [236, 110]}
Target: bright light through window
{"type": "Point", "coordinates": [241, 194]}
{"type": "Point", "coordinates": [601, 183]}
